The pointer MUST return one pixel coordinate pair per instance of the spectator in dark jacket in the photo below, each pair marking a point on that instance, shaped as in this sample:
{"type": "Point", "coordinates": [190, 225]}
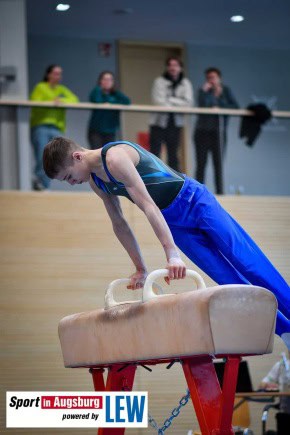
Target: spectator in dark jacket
{"type": "Point", "coordinates": [104, 124]}
{"type": "Point", "coordinates": [210, 131]}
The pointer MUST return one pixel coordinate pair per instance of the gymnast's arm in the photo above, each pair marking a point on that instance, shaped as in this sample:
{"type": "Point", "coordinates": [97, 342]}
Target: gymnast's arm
{"type": "Point", "coordinates": [124, 235]}
{"type": "Point", "coordinates": [121, 166]}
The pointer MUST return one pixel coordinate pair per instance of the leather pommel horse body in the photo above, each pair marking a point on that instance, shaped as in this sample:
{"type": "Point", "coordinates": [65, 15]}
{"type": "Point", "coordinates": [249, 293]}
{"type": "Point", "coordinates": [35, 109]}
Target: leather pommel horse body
{"type": "Point", "coordinates": [195, 327]}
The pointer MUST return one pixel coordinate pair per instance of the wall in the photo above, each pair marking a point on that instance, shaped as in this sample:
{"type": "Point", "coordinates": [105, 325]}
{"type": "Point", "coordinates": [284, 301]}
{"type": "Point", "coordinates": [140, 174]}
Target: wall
{"type": "Point", "coordinates": [262, 169]}
{"type": "Point", "coordinates": [13, 52]}
{"type": "Point", "coordinates": [13, 46]}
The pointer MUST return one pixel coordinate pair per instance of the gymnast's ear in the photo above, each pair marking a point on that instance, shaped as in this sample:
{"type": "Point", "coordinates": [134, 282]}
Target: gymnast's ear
{"type": "Point", "coordinates": [78, 155]}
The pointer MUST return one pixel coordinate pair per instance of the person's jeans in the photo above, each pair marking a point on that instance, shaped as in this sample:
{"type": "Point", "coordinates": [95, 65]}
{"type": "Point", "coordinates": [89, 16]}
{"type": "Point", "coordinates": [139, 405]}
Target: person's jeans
{"type": "Point", "coordinates": [40, 136]}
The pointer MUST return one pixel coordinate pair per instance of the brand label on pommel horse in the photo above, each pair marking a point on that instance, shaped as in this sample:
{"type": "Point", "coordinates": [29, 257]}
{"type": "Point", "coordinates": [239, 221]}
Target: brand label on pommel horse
{"type": "Point", "coordinates": [59, 409]}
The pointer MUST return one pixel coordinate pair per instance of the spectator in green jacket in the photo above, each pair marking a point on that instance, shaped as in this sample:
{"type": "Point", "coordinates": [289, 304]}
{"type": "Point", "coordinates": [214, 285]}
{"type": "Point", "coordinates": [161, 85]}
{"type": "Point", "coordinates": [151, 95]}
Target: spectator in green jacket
{"type": "Point", "coordinates": [47, 123]}
{"type": "Point", "coordinates": [104, 124]}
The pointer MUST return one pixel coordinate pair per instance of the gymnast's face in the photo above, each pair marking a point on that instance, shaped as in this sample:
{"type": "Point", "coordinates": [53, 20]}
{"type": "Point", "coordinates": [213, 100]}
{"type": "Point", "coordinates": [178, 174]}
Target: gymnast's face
{"type": "Point", "coordinates": [78, 172]}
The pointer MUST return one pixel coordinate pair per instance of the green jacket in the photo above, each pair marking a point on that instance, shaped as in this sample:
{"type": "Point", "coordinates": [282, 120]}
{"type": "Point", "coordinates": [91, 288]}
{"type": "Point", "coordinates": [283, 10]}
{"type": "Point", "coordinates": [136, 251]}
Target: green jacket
{"type": "Point", "coordinates": [52, 116]}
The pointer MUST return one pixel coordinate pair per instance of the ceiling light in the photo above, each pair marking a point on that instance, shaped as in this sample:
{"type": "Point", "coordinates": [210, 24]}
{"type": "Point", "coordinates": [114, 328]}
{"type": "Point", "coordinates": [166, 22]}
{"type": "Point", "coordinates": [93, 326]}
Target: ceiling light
{"type": "Point", "coordinates": [62, 7]}
{"type": "Point", "coordinates": [237, 18]}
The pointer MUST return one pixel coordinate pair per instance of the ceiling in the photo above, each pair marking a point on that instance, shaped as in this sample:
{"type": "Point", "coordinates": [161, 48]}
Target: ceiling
{"type": "Point", "coordinates": [207, 22]}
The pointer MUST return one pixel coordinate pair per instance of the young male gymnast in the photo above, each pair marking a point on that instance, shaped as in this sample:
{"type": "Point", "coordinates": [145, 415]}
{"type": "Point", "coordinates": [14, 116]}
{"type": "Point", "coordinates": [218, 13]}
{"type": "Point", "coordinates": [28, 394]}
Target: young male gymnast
{"type": "Point", "coordinates": [181, 211]}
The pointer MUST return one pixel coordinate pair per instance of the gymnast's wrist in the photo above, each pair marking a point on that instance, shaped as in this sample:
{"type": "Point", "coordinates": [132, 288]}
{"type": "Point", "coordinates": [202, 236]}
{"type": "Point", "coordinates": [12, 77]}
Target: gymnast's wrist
{"type": "Point", "coordinates": [173, 255]}
{"type": "Point", "coordinates": [141, 269]}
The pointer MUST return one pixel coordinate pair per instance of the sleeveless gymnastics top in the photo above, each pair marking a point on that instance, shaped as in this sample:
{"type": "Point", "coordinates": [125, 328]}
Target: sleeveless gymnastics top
{"type": "Point", "coordinates": [162, 182]}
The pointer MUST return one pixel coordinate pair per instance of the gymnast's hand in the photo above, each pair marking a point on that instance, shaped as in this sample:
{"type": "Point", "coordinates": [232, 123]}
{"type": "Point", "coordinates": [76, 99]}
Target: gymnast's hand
{"type": "Point", "coordinates": [137, 279]}
{"type": "Point", "coordinates": [176, 269]}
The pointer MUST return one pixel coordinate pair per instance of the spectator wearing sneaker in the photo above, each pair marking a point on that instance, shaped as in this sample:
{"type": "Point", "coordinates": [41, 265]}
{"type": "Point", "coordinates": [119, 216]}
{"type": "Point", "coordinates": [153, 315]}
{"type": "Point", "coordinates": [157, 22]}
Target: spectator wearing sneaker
{"type": "Point", "coordinates": [45, 122]}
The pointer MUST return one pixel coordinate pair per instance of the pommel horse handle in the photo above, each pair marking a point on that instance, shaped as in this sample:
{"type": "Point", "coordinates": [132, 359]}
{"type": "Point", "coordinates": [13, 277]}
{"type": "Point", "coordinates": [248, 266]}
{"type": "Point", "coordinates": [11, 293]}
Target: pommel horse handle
{"type": "Point", "coordinates": [110, 301]}
{"type": "Point", "coordinates": [148, 292]}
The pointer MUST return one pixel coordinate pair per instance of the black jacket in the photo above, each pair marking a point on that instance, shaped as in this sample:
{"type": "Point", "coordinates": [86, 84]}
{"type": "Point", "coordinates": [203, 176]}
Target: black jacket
{"type": "Point", "coordinates": [251, 125]}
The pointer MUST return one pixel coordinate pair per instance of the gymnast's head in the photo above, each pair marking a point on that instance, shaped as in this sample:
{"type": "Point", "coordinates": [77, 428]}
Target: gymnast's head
{"type": "Point", "coordinates": [65, 160]}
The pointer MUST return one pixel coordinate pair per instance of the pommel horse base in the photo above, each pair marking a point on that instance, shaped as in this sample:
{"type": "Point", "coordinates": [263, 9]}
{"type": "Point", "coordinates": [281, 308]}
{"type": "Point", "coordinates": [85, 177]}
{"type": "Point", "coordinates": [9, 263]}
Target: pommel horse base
{"type": "Point", "coordinates": [195, 327]}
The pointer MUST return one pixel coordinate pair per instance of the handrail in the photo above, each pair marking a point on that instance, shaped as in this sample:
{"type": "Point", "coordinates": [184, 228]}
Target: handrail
{"type": "Point", "coordinates": [140, 108]}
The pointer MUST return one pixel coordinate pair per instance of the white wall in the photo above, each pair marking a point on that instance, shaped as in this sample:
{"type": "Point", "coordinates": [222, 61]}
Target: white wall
{"type": "Point", "coordinates": [13, 52]}
{"type": "Point", "coordinates": [13, 46]}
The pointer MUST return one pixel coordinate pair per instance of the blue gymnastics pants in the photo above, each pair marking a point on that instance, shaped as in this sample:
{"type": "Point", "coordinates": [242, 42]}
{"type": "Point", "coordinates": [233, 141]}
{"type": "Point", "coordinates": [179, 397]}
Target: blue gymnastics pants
{"type": "Point", "coordinates": [218, 245]}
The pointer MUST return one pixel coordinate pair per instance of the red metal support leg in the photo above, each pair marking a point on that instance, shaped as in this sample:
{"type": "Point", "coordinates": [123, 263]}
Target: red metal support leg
{"type": "Point", "coordinates": [118, 381]}
{"type": "Point", "coordinates": [205, 392]}
{"type": "Point", "coordinates": [228, 393]}
{"type": "Point", "coordinates": [98, 379]}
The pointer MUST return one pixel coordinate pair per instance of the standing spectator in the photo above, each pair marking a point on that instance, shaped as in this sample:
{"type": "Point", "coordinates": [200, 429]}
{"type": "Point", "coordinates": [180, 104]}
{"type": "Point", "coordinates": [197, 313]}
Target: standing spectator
{"type": "Point", "coordinates": [211, 130]}
{"type": "Point", "coordinates": [46, 123]}
{"type": "Point", "coordinates": [171, 89]}
{"type": "Point", "coordinates": [104, 124]}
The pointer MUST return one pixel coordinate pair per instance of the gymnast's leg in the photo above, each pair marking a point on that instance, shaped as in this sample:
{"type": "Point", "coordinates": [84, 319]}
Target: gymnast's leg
{"type": "Point", "coordinates": [195, 245]}
{"type": "Point", "coordinates": [204, 254]}
{"type": "Point", "coordinates": [242, 252]}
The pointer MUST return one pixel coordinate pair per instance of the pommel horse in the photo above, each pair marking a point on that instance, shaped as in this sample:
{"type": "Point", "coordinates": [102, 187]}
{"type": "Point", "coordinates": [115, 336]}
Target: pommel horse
{"type": "Point", "coordinates": [227, 321]}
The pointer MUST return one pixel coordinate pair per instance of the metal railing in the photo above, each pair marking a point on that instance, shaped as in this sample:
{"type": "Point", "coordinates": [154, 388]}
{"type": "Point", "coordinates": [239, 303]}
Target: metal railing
{"type": "Point", "coordinates": [272, 161]}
